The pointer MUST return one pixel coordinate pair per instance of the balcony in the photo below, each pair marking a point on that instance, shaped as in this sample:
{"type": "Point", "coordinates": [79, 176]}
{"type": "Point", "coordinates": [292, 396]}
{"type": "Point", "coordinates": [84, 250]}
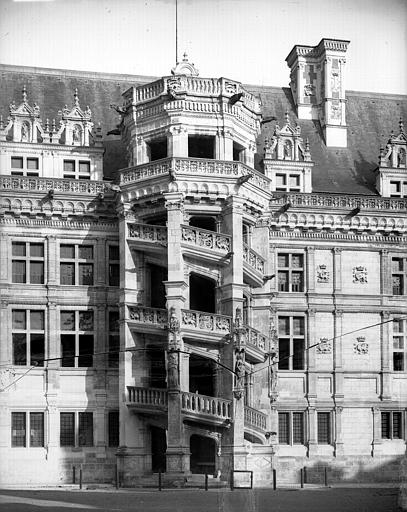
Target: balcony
{"type": "Point", "coordinates": [253, 266]}
{"type": "Point", "coordinates": [206, 245]}
{"type": "Point", "coordinates": [148, 320]}
{"type": "Point", "coordinates": [32, 184]}
{"type": "Point", "coordinates": [205, 326]}
{"type": "Point", "coordinates": [194, 407]}
{"type": "Point", "coordinates": [256, 345]}
{"type": "Point", "coordinates": [206, 409]}
{"type": "Point", "coordinates": [254, 420]}
{"type": "Point", "coordinates": [146, 237]}
{"type": "Point", "coordinates": [148, 400]}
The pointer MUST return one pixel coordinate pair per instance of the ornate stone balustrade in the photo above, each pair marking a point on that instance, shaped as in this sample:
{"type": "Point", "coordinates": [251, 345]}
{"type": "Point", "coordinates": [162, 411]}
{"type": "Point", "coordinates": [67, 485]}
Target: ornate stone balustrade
{"type": "Point", "coordinates": [207, 239]}
{"type": "Point", "coordinates": [207, 322]}
{"type": "Point", "coordinates": [147, 396]}
{"type": "Point", "coordinates": [255, 419]}
{"type": "Point", "coordinates": [148, 233]}
{"type": "Point", "coordinates": [193, 167]}
{"type": "Point", "coordinates": [151, 316]}
{"type": "Point", "coordinates": [253, 259]}
{"type": "Point", "coordinates": [65, 186]}
{"type": "Point", "coordinates": [340, 201]}
{"type": "Point", "coordinates": [256, 338]}
{"type": "Point", "coordinates": [218, 408]}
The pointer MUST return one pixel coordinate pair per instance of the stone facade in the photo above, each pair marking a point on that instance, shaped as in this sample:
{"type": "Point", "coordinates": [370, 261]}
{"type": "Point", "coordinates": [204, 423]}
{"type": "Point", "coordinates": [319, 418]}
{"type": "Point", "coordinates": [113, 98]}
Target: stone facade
{"type": "Point", "coordinates": [198, 314]}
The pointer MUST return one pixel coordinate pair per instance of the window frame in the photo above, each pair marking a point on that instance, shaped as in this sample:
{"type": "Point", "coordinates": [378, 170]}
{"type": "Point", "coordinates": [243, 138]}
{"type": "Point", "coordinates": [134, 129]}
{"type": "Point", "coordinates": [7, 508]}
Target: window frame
{"type": "Point", "coordinates": [76, 333]}
{"type": "Point", "coordinates": [399, 273]}
{"type": "Point", "coordinates": [113, 263]}
{"type": "Point", "coordinates": [291, 337]}
{"type": "Point", "coordinates": [289, 270]}
{"type": "Point", "coordinates": [290, 427]}
{"type": "Point", "coordinates": [27, 259]}
{"type": "Point", "coordinates": [329, 415]}
{"type": "Point", "coordinates": [115, 435]}
{"type": "Point", "coordinates": [76, 435]}
{"type": "Point", "coordinates": [28, 332]}
{"type": "Point", "coordinates": [76, 262]}
{"type": "Point", "coordinates": [113, 358]}
{"type": "Point", "coordinates": [28, 421]}
{"type": "Point", "coordinates": [285, 185]}
{"type": "Point", "coordinates": [403, 350]}
{"type": "Point", "coordinates": [25, 169]}
{"type": "Point", "coordinates": [77, 173]}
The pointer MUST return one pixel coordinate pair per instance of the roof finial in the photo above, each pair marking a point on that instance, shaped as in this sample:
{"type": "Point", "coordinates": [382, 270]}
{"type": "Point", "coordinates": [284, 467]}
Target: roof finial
{"type": "Point", "coordinates": [401, 124]}
{"type": "Point", "coordinates": [185, 56]}
{"type": "Point", "coordinates": [47, 125]}
{"type": "Point", "coordinates": [1, 122]}
{"type": "Point", "coordinates": [307, 144]}
{"type": "Point", "coordinates": [54, 128]}
{"type": "Point", "coordinates": [287, 117]}
{"type": "Point", "coordinates": [76, 97]}
{"type": "Point", "coordinates": [24, 94]}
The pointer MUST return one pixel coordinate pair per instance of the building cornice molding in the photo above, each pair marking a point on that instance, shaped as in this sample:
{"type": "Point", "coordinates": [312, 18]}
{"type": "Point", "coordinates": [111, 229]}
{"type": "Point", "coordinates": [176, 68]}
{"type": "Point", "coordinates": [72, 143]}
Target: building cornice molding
{"type": "Point", "coordinates": [337, 236]}
{"type": "Point", "coordinates": [97, 225]}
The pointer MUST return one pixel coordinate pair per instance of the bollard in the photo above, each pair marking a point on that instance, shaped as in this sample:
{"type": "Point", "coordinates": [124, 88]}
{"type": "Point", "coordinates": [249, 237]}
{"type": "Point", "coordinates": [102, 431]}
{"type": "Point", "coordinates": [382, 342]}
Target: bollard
{"type": "Point", "coordinates": [251, 479]}
{"type": "Point", "coordinates": [117, 477]}
{"type": "Point", "coordinates": [232, 483]}
{"type": "Point", "coordinates": [206, 481]}
{"type": "Point", "coordinates": [305, 474]}
{"type": "Point", "coordinates": [80, 478]}
{"type": "Point", "coordinates": [159, 481]}
{"type": "Point", "coordinates": [326, 477]}
{"type": "Point", "coordinates": [274, 479]}
{"type": "Point", "coordinates": [302, 478]}
{"type": "Point", "coordinates": [73, 474]}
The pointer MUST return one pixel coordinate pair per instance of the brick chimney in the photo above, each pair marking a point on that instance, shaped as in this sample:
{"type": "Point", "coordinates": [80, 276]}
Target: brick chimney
{"type": "Point", "coordinates": [317, 82]}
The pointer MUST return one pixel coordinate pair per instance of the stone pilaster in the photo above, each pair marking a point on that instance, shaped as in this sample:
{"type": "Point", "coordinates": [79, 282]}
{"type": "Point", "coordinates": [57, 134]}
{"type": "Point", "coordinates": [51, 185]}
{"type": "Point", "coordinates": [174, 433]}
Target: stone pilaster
{"type": "Point", "coordinates": [337, 355]}
{"type": "Point", "coordinates": [310, 285]}
{"type": "Point", "coordinates": [5, 332]}
{"type": "Point", "coordinates": [338, 443]}
{"type": "Point", "coordinates": [337, 270]}
{"type": "Point", "coordinates": [386, 344]}
{"type": "Point", "coordinates": [377, 431]}
{"type": "Point", "coordinates": [5, 249]}
{"type": "Point", "coordinates": [312, 432]}
{"type": "Point", "coordinates": [178, 141]}
{"type": "Point", "coordinates": [385, 272]}
{"type": "Point", "coordinates": [311, 355]}
{"type": "Point", "coordinates": [53, 259]}
{"type": "Point", "coordinates": [100, 260]}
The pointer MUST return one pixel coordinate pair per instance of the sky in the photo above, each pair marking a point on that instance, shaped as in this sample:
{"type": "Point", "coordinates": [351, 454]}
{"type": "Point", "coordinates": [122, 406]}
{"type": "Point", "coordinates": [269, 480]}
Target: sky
{"type": "Point", "coordinates": [246, 40]}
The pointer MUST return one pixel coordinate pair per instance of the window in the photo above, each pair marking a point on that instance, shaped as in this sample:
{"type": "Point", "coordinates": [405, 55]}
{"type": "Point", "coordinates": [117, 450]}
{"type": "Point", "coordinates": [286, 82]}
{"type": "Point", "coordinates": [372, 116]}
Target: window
{"type": "Point", "coordinates": [113, 428]}
{"type": "Point", "coordinates": [399, 345]}
{"type": "Point", "coordinates": [291, 342]}
{"type": "Point", "coordinates": [398, 188]}
{"type": "Point", "coordinates": [288, 182]}
{"type": "Point", "coordinates": [114, 265]}
{"type": "Point", "coordinates": [30, 169]}
{"type": "Point", "coordinates": [76, 266]}
{"type": "Point", "coordinates": [114, 339]}
{"type": "Point", "coordinates": [76, 170]}
{"type": "Point", "coordinates": [399, 274]}
{"type": "Point", "coordinates": [27, 262]}
{"type": "Point", "coordinates": [324, 427]}
{"type": "Point", "coordinates": [20, 429]}
{"type": "Point", "coordinates": [28, 337]}
{"type": "Point", "coordinates": [69, 435]}
{"type": "Point", "coordinates": [290, 272]}
{"type": "Point", "coordinates": [77, 338]}
{"type": "Point", "coordinates": [291, 428]}
{"type": "Point", "coordinates": [392, 425]}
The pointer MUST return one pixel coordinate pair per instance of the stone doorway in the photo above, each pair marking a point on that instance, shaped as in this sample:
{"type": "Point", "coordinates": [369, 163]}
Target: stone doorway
{"type": "Point", "coordinates": [203, 455]}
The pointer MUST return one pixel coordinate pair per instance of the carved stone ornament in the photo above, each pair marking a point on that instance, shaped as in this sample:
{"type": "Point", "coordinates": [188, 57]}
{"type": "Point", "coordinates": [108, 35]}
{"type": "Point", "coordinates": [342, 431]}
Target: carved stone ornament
{"type": "Point", "coordinates": [239, 373]}
{"type": "Point", "coordinates": [322, 274]}
{"type": "Point", "coordinates": [6, 378]}
{"type": "Point", "coordinates": [309, 90]}
{"type": "Point", "coordinates": [359, 275]}
{"type": "Point", "coordinates": [324, 346]}
{"type": "Point", "coordinates": [335, 111]}
{"type": "Point", "coordinates": [360, 346]}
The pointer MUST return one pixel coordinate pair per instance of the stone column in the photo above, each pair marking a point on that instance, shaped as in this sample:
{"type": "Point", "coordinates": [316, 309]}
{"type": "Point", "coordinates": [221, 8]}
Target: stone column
{"type": "Point", "coordinates": [178, 141]}
{"type": "Point", "coordinates": [52, 260]}
{"type": "Point", "coordinates": [6, 355]}
{"type": "Point", "coordinates": [377, 431]}
{"type": "Point", "coordinates": [99, 418]}
{"type": "Point", "coordinates": [310, 266]}
{"type": "Point", "coordinates": [177, 451]}
{"type": "Point", "coordinates": [338, 432]}
{"type": "Point", "coordinates": [142, 156]}
{"type": "Point", "coordinates": [337, 355]}
{"type": "Point", "coordinates": [224, 145]}
{"type": "Point", "coordinates": [100, 261]}
{"type": "Point", "coordinates": [5, 249]}
{"type": "Point", "coordinates": [100, 346]}
{"type": "Point", "coordinates": [386, 344]}
{"type": "Point", "coordinates": [311, 340]}
{"type": "Point", "coordinates": [337, 270]}
{"type": "Point", "coordinates": [385, 272]}
{"type": "Point", "coordinates": [312, 432]}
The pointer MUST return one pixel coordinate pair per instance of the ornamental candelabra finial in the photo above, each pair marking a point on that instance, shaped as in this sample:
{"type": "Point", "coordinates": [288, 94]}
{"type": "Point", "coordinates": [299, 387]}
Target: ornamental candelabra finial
{"type": "Point", "coordinates": [24, 94]}
{"type": "Point", "coordinates": [287, 117]}
{"type": "Point", "coordinates": [307, 144]}
{"type": "Point", "coordinates": [401, 124]}
{"type": "Point", "coordinates": [76, 97]}
{"type": "Point", "coordinates": [53, 125]}
{"type": "Point", "coordinates": [47, 125]}
{"type": "Point", "coordinates": [1, 122]}
{"type": "Point", "coordinates": [185, 56]}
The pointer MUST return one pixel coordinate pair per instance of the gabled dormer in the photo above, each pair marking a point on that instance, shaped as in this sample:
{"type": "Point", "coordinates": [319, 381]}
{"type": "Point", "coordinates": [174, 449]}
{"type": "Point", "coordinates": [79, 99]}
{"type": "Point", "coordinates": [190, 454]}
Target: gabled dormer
{"type": "Point", "coordinates": [391, 180]}
{"type": "Point", "coordinates": [287, 159]}
{"type": "Point", "coordinates": [76, 124]}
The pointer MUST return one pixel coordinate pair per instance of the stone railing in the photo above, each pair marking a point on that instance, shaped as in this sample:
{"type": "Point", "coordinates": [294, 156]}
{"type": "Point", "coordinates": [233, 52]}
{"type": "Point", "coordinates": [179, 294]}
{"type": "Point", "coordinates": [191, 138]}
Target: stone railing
{"type": "Point", "coordinates": [193, 167]}
{"type": "Point", "coordinates": [206, 322]}
{"type": "Point", "coordinates": [219, 408]}
{"type": "Point", "coordinates": [151, 316]}
{"type": "Point", "coordinates": [147, 396]}
{"type": "Point", "coordinates": [58, 185]}
{"type": "Point", "coordinates": [148, 233]}
{"type": "Point", "coordinates": [256, 338]}
{"type": "Point", "coordinates": [207, 239]}
{"type": "Point", "coordinates": [340, 201]}
{"type": "Point", "coordinates": [254, 418]}
{"type": "Point", "coordinates": [253, 259]}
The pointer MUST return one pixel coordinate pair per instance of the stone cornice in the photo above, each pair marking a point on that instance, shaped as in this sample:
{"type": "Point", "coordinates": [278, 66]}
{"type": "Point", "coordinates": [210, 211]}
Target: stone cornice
{"type": "Point", "coordinates": [338, 236]}
{"type": "Point", "coordinates": [97, 225]}
{"type": "Point", "coordinates": [31, 147]}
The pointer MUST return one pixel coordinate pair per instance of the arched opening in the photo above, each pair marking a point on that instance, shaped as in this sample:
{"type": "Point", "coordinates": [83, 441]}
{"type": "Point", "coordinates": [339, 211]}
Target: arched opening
{"type": "Point", "coordinates": [204, 222]}
{"type": "Point", "coordinates": [202, 373]}
{"type": "Point", "coordinates": [157, 149]}
{"type": "Point", "coordinates": [157, 289]}
{"type": "Point", "coordinates": [201, 146]}
{"type": "Point", "coordinates": [238, 152]}
{"type": "Point", "coordinates": [203, 453]}
{"type": "Point", "coordinates": [202, 293]}
{"type": "Point", "coordinates": [158, 449]}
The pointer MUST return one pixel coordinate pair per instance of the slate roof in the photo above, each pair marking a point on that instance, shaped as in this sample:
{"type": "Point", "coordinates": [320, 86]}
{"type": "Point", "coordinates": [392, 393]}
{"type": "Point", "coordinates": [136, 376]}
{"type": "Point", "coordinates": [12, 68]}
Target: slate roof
{"type": "Point", "coordinates": [370, 119]}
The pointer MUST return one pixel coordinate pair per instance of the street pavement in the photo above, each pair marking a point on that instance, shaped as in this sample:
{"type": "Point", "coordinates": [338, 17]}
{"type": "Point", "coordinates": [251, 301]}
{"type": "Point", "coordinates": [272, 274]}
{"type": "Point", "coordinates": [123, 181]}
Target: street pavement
{"type": "Point", "coordinates": [365, 499]}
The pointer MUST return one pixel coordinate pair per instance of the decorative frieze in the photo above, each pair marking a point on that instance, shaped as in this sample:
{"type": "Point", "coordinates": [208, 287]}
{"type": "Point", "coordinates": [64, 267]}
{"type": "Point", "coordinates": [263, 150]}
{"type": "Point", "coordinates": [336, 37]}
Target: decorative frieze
{"type": "Point", "coordinates": [359, 274]}
{"type": "Point", "coordinates": [207, 239]}
{"type": "Point", "coordinates": [360, 346]}
{"type": "Point", "coordinates": [217, 324]}
{"type": "Point", "coordinates": [148, 233]}
{"type": "Point", "coordinates": [146, 315]}
{"type": "Point", "coordinates": [62, 185]}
